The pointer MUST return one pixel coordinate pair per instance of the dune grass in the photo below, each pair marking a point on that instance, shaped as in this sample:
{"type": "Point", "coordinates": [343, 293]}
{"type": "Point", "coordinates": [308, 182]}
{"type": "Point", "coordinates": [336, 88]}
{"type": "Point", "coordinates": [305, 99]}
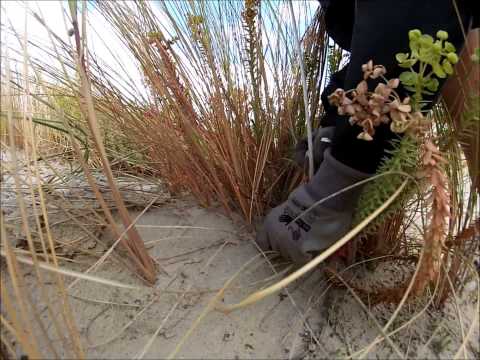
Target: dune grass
{"type": "Point", "coordinates": [224, 109]}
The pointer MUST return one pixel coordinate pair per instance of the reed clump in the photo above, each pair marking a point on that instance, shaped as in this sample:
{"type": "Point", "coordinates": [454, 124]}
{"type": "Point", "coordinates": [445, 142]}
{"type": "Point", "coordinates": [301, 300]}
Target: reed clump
{"type": "Point", "coordinates": [222, 112]}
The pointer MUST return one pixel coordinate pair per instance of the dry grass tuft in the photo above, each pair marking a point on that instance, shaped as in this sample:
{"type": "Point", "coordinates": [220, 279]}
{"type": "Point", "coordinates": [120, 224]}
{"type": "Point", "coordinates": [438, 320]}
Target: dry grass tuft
{"type": "Point", "coordinates": [220, 129]}
{"type": "Point", "coordinates": [223, 111]}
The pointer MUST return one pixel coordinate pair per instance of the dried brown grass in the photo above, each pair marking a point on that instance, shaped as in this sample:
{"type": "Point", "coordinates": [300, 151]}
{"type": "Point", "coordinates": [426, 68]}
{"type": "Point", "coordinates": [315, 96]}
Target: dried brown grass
{"type": "Point", "coordinates": [221, 136]}
{"type": "Point", "coordinates": [222, 131]}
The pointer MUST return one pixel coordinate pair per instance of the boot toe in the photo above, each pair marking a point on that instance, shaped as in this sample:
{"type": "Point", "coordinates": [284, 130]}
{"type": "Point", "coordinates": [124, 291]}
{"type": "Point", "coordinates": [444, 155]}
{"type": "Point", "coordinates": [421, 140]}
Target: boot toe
{"type": "Point", "coordinates": [275, 235]}
{"type": "Point", "coordinates": [262, 238]}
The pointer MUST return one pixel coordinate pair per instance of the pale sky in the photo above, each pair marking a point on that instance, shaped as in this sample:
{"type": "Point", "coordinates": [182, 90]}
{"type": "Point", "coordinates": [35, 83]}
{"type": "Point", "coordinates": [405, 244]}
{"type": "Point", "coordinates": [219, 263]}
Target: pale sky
{"type": "Point", "coordinates": [102, 40]}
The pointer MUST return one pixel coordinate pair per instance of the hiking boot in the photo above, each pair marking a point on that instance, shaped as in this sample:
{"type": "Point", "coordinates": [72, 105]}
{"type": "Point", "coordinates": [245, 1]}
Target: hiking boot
{"type": "Point", "coordinates": [323, 225]}
{"type": "Point", "coordinates": [322, 138]}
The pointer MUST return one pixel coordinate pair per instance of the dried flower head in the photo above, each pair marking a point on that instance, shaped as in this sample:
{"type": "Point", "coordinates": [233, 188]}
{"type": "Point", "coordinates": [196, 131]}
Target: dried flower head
{"type": "Point", "coordinates": [399, 113]}
{"type": "Point", "coordinates": [435, 235]}
{"type": "Point", "coordinates": [370, 109]}
{"type": "Point", "coordinates": [373, 71]}
{"type": "Point", "coordinates": [337, 97]}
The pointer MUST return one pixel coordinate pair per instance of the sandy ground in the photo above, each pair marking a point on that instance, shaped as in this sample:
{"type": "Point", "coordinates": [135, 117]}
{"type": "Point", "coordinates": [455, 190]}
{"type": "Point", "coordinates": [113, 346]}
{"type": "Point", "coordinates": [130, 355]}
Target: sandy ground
{"type": "Point", "coordinates": [199, 260]}
{"type": "Point", "coordinates": [201, 249]}
{"type": "Point", "coordinates": [304, 322]}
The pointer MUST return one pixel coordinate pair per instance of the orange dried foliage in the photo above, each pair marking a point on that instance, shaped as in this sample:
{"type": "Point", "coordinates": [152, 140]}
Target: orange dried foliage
{"type": "Point", "coordinates": [430, 263]}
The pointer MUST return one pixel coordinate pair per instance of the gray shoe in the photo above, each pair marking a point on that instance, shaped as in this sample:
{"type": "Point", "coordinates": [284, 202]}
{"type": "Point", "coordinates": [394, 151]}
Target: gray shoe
{"type": "Point", "coordinates": [324, 224]}
{"type": "Point", "coordinates": [322, 138]}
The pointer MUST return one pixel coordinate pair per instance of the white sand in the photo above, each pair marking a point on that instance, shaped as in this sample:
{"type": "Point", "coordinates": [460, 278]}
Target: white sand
{"type": "Point", "coordinates": [273, 328]}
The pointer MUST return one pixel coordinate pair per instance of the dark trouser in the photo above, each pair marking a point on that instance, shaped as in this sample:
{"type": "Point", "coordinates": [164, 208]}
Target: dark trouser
{"type": "Point", "coordinates": [380, 31]}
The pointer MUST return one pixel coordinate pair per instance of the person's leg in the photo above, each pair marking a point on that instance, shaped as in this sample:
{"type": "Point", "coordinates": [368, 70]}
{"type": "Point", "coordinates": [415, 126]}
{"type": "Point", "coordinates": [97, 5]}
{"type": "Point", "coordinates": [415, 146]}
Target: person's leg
{"type": "Point", "coordinates": [326, 127]}
{"type": "Point", "coordinates": [337, 80]}
{"type": "Point", "coordinates": [380, 31]}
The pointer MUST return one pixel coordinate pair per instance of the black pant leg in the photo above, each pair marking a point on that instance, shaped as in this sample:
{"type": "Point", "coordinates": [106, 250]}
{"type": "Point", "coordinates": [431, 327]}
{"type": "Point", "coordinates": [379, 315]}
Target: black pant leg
{"type": "Point", "coordinates": [380, 31]}
{"type": "Point", "coordinates": [337, 80]}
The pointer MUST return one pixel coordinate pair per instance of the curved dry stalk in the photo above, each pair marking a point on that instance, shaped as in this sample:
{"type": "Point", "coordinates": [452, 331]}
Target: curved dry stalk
{"type": "Point", "coordinates": [12, 258]}
{"type": "Point", "coordinates": [404, 298]}
{"type": "Point", "coordinates": [71, 273]}
{"type": "Point", "coordinates": [308, 120]}
{"type": "Point", "coordinates": [66, 309]}
{"type": "Point", "coordinates": [60, 113]}
{"type": "Point", "coordinates": [415, 317]}
{"type": "Point", "coordinates": [140, 255]}
{"type": "Point", "coordinates": [319, 296]}
{"type": "Point", "coordinates": [257, 296]}
{"type": "Point", "coordinates": [103, 302]}
{"type": "Point", "coordinates": [210, 306]}
{"type": "Point", "coordinates": [371, 316]}
{"type": "Point", "coordinates": [474, 321]}
{"type": "Point", "coordinates": [147, 346]}
{"type": "Point", "coordinates": [398, 309]}
{"type": "Point", "coordinates": [465, 337]}
{"type": "Point", "coordinates": [6, 344]}
{"type": "Point", "coordinates": [102, 259]}
{"type": "Point", "coordinates": [21, 331]}
{"type": "Point", "coordinates": [126, 326]}
{"type": "Point", "coordinates": [276, 274]}
{"type": "Point", "coordinates": [183, 227]}
{"type": "Point", "coordinates": [350, 187]}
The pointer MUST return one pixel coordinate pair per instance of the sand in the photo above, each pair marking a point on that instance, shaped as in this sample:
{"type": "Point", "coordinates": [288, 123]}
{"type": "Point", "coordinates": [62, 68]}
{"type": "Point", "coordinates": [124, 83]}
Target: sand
{"type": "Point", "coordinates": [215, 248]}
{"type": "Point", "coordinates": [200, 249]}
{"type": "Point", "coordinates": [306, 322]}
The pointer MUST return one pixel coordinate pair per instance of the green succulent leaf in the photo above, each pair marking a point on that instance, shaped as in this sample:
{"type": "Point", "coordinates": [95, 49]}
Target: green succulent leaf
{"type": "Point", "coordinates": [414, 47]}
{"type": "Point", "coordinates": [432, 84]}
{"type": "Point", "coordinates": [425, 40]}
{"type": "Point", "coordinates": [407, 63]}
{"type": "Point", "coordinates": [438, 71]}
{"type": "Point", "coordinates": [430, 55]}
{"type": "Point", "coordinates": [401, 57]}
{"type": "Point", "coordinates": [448, 46]}
{"type": "Point", "coordinates": [423, 104]}
{"type": "Point", "coordinates": [442, 35]}
{"type": "Point", "coordinates": [426, 50]}
{"type": "Point", "coordinates": [447, 67]}
{"type": "Point", "coordinates": [452, 58]}
{"type": "Point", "coordinates": [408, 78]}
{"type": "Point", "coordinates": [414, 34]}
